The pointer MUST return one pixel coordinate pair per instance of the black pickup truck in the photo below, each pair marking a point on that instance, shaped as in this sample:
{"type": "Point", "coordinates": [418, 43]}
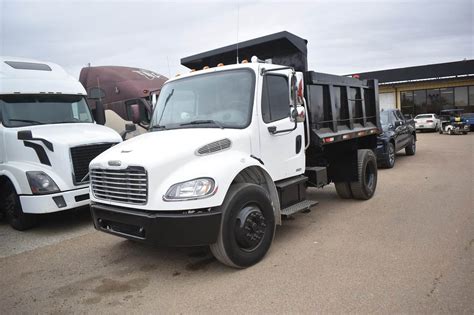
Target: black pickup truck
{"type": "Point", "coordinates": [398, 133]}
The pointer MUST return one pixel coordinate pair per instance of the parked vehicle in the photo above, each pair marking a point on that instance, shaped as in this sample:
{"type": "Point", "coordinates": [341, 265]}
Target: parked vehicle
{"type": "Point", "coordinates": [468, 119]}
{"type": "Point", "coordinates": [233, 148]}
{"type": "Point", "coordinates": [125, 94]}
{"type": "Point", "coordinates": [427, 122]}
{"type": "Point", "coordinates": [453, 123]}
{"type": "Point", "coordinates": [47, 139]}
{"type": "Point", "coordinates": [398, 133]}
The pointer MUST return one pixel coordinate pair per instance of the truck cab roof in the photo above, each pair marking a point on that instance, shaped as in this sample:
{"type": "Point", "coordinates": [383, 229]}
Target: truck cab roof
{"type": "Point", "coordinates": [29, 76]}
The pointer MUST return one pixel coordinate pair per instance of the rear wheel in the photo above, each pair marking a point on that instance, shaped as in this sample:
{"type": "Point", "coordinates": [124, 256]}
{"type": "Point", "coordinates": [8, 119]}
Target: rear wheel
{"type": "Point", "coordinates": [364, 188]}
{"type": "Point", "coordinates": [247, 226]}
{"type": "Point", "coordinates": [411, 148]}
{"type": "Point", "coordinates": [343, 190]}
{"type": "Point", "coordinates": [16, 217]}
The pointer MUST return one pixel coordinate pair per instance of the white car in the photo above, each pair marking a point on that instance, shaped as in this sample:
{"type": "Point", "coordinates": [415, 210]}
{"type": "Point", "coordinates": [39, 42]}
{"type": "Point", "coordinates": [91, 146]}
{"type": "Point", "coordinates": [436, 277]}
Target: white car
{"type": "Point", "coordinates": [427, 122]}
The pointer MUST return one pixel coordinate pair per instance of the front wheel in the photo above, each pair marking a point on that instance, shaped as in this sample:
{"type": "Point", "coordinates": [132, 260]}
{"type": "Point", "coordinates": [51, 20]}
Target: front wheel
{"type": "Point", "coordinates": [16, 217]}
{"type": "Point", "coordinates": [390, 158]}
{"type": "Point", "coordinates": [247, 226]}
{"type": "Point", "coordinates": [411, 148]}
{"type": "Point", "coordinates": [364, 188]}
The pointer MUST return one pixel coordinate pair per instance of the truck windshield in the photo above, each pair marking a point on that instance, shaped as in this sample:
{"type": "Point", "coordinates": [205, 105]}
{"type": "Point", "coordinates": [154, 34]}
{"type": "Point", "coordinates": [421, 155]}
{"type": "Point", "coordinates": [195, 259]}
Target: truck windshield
{"type": "Point", "coordinates": [33, 109]}
{"type": "Point", "coordinates": [216, 100]}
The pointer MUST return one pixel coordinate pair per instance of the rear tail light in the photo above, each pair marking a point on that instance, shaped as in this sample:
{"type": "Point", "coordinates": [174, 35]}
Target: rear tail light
{"type": "Point", "coordinates": [428, 121]}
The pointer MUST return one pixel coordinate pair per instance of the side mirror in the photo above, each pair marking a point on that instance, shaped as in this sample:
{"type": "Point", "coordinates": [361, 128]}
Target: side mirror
{"type": "Point", "coordinates": [128, 128]}
{"type": "Point", "coordinates": [135, 111]}
{"type": "Point", "coordinates": [298, 114]}
{"type": "Point", "coordinates": [25, 135]}
{"type": "Point", "coordinates": [293, 89]}
{"type": "Point", "coordinates": [99, 113]}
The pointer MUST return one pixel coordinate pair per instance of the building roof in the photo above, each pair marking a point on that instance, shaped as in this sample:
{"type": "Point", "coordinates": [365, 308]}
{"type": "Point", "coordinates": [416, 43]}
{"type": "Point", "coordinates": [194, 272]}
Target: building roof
{"type": "Point", "coordinates": [421, 73]}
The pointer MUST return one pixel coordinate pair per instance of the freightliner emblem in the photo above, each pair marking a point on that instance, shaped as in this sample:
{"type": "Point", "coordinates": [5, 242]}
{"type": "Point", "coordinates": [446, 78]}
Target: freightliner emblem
{"type": "Point", "coordinates": [115, 163]}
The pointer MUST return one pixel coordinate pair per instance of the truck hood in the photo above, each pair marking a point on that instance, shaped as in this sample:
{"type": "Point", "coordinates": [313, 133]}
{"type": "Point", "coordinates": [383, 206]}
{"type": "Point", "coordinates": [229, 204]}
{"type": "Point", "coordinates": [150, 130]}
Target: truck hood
{"type": "Point", "coordinates": [73, 134]}
{"type": "Point", "coordinates": [162, 148]}
{"type": "Point", "coordinates": [35, 155]}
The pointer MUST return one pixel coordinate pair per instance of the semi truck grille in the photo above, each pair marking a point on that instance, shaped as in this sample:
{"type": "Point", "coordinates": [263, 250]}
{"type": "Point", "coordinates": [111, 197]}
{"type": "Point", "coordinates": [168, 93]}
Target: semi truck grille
{"type": "Point", "coordinates": [127, 186]}
{"type": "Point", "coordinates": [81, 157]}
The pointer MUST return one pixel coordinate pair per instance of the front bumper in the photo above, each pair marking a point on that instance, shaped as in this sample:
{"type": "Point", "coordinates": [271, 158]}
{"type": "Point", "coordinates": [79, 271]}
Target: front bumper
{"type": "Point", "coordinates": [158, 227]}
{"type": "Point", "coordinates": [60, 201]}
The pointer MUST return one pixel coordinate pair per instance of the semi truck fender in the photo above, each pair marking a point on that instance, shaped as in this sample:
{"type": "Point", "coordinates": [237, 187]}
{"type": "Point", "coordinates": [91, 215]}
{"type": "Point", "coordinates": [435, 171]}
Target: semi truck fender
{"type": "Point", "coordinates": [17, 178]}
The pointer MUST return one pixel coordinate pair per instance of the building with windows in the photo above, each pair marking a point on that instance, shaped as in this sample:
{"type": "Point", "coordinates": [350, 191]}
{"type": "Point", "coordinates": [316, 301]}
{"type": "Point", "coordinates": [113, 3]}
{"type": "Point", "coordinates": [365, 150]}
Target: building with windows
{"type": "Point", "coordinates": [426, 89]}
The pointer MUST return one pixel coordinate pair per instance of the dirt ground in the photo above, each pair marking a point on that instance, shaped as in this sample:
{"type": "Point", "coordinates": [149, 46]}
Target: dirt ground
{"type": "Point", "coordinates": [409, 249]}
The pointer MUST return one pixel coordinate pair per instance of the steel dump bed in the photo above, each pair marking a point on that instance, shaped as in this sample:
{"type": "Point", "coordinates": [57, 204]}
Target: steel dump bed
{"type": "Point", "coordinates": [340, 108]}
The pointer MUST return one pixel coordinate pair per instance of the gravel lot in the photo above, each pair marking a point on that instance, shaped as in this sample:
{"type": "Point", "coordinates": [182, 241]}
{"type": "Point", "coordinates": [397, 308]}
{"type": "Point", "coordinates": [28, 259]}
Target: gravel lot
{"type": "Point", "coordinates": [409, 249]}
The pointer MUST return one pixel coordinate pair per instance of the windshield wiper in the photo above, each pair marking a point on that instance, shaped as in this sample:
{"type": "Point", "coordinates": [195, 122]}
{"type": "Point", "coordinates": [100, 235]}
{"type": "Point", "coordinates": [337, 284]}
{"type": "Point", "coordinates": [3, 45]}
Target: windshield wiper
{"type": "Point", "coordinates": [27, 121]}
{"type": "Point", "coordinates": [204, 121]}
{"type": "Point", "coordinates": [159, 127]}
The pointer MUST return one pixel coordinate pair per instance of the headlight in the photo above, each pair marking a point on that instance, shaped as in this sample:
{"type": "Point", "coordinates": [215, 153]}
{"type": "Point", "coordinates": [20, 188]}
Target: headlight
{"type": "Point", "coordinates": [40, 183]}
{"type": "Point", "coordinates": [193, 189]}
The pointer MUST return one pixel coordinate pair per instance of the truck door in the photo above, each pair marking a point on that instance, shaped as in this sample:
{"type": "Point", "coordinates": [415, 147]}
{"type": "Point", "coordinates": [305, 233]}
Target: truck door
{"type": "Point", "coordinates": [282, 153]}
{"type": "Point", "coordinates": [400, 131]}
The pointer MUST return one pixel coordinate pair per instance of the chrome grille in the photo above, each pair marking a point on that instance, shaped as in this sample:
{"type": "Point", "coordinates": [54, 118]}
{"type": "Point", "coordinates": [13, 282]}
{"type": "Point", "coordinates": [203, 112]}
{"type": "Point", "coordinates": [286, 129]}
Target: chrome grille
{"type": "Point", "coordinates": [129, 185]}
{"type": "Point", "coordinates": [214, 147]}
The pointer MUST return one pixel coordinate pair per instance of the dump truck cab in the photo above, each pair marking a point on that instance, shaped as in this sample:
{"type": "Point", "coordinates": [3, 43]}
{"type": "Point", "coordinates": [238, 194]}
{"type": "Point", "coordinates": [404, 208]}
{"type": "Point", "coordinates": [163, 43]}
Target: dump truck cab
{"type": "Point", "coordinates": [232, 149]}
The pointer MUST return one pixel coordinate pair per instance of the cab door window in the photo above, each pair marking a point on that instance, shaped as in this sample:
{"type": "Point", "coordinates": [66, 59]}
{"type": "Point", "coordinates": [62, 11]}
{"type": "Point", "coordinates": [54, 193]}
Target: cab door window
{"type": "Point", "coordinates": [275, 98]}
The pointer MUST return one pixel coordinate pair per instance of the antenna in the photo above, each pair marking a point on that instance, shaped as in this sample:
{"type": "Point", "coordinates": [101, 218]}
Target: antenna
{"type": "Point", "coordinates": [169, 71]}
{"type": "Point", "coordinates": [238, 13]}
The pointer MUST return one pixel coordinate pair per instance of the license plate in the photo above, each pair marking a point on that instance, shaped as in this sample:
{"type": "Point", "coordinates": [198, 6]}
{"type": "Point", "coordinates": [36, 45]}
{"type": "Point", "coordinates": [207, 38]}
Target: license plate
{"type": "Point", "coordinates": [421, 126]}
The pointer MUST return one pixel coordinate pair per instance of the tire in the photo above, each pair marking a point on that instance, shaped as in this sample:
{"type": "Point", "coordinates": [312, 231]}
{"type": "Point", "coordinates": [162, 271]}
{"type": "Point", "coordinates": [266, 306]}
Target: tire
{"type": "Point", "coordinates": [451, 132]}
{"type": "Point", "coordinates": [343, 190]}
{"type": "Point", "coordinates": [15, 216]}
{"type": "Point", "coordinates": [389, 161]}
{"type": "Point", "coordinates": [364, 188]}
{"type": "Point", "coordinates": [242, 245]}
{"type": "Point", "coordinates": [411, 148]}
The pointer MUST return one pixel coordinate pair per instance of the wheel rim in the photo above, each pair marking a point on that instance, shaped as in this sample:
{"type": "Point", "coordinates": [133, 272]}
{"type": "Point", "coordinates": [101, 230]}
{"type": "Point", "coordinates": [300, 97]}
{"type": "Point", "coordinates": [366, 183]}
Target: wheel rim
{"type": "Point", "coordinates": [391, 154]}
{"type": "Point", "coordinates": [250, 228]}
{"type": "Point", "coordinates": [370, 176]}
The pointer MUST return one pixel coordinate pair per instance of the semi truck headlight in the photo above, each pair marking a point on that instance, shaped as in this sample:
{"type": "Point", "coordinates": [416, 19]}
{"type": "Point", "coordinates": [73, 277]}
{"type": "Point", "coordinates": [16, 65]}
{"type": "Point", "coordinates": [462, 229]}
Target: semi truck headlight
{"type": "Point", "coordinates": [193, 189]}
{"type": "Point", "coordinates": [40, 183]}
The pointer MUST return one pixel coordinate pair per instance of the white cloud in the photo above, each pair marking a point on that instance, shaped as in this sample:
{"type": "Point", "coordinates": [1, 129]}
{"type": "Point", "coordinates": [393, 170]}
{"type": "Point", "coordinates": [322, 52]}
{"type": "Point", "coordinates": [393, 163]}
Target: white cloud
{"type": "Point", "coordinates": [344, 36]}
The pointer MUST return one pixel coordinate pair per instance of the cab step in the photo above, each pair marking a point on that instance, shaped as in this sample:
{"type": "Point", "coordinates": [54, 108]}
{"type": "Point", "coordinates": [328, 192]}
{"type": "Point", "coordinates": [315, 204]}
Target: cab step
{"type": "Point", "coordinates": [302, 206]}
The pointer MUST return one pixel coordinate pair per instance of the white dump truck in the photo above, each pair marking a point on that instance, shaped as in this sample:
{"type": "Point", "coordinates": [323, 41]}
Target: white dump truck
{"type": "Point", "coordinates": [47, 139]}
{"type": "Point", "coordinates": [233, 147]}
